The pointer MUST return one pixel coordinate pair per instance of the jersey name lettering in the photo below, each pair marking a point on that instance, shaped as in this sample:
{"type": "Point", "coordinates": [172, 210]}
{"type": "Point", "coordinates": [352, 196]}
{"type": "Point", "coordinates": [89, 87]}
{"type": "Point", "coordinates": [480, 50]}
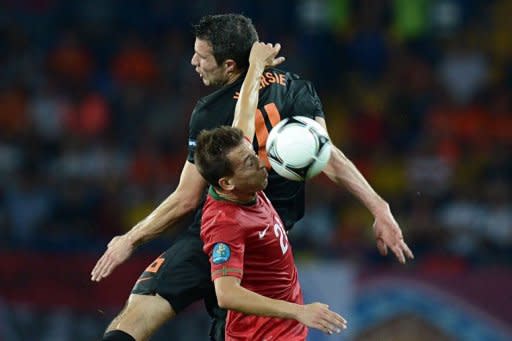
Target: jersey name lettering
{"type": "Point", "coordinates": [267, 79]}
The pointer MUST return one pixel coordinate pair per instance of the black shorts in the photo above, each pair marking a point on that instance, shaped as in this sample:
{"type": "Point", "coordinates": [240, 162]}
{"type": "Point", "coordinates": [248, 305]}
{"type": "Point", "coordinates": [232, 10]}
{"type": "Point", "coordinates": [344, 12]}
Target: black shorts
{"type": "Point", "coordinates": [182, 276]}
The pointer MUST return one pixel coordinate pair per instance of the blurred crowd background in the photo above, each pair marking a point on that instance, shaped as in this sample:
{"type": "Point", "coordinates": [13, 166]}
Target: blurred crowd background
{"type": "Point", "coordinates": [95, 98]}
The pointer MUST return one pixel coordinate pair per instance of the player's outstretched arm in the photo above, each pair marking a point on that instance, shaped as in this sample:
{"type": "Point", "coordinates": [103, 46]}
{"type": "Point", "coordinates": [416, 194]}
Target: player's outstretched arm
{"type": "Point", "coordinates": [178, 205]}
{"type": "Point", "coordinates": [387, 232]}
{"type": "Point", "coordinates": [262, 55]}
{"type": "Point", "coordinates": [231, 295]}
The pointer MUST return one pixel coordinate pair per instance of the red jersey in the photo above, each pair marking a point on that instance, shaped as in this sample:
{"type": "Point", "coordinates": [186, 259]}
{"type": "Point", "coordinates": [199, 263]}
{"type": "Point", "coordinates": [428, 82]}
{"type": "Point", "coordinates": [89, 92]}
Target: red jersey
{"type": "Point", "coordinates": [249, 242]}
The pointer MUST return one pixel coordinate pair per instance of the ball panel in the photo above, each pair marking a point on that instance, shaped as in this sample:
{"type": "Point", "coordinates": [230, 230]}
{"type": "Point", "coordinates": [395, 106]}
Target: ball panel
{"type": "Point", "coordinates": [298, 148]}
{"type": "Point", "coordinates": [321, 160]}
{"type": "Point", "coordinates": [298, 145]}
{"type": "Point", "coordinates": [284, 171]}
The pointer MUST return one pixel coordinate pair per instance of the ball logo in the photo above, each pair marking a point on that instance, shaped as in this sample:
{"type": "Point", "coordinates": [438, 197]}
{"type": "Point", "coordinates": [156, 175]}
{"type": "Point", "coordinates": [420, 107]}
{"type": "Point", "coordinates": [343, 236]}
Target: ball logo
{"type": "Point", "coordinates": [221, 253]}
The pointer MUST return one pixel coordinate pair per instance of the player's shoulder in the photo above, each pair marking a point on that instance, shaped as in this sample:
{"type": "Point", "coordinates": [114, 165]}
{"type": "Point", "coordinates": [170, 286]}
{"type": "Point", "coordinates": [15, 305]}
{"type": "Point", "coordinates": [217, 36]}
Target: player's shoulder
{"type": "Point", "coordinates": [216, 108]}
{"type": "Point", "coordinates": [218, 212]}
{"type": "Point", "coordinates": [217, 219]}
{"type": "Point", "coordinates": [287, 82]}
{"type": "Point", "coordinates": [289, 75]}
{"type": "Point", "coordinates": [219, 95]}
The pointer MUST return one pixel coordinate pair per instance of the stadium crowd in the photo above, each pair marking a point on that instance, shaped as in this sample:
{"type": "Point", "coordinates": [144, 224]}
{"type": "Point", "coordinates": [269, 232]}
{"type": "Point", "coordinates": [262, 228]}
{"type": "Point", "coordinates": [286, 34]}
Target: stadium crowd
{"type": "Point", "coordinates": [95, 98]}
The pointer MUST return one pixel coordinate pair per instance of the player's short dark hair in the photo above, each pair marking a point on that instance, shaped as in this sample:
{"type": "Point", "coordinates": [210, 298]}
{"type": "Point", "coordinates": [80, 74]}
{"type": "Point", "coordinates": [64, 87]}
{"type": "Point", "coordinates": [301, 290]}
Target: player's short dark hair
{"type": "Point", "coordinates": [211, 152]}
{"type": "Point", "coordinates": [231, 37]}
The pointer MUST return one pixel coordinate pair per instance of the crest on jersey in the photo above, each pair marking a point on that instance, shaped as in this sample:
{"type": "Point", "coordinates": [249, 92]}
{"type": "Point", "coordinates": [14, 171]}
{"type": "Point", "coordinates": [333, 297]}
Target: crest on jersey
{"type": "Point", "coordinates": [221, 253]}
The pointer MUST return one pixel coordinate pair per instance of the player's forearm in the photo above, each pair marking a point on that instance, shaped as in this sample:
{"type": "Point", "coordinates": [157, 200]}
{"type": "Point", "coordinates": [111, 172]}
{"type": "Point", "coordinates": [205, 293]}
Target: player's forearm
{"type": "Point", "coordinates": [344, 173]}
{"type": "Point", "coordinates": [166, 215]}
{"type": "Point", "coordinates": [239, 299]}
{"type": "Point", "coordinates": [247, 103]}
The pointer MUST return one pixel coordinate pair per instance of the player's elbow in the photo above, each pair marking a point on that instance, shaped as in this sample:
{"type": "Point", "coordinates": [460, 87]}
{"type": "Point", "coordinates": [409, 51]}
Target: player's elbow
{"type": "Point", "coordinates": [224, 298]}
{"type": "Point", "coordinates": [229, 292]}
{"type": "Point", "coordinates": [187, 202]}
{"type": "Point", "coordinates": [337, 163]}
{"type": "Point", "coordinates": [223, 303]}
{"type": "Point", "coordinates": [189, 206]}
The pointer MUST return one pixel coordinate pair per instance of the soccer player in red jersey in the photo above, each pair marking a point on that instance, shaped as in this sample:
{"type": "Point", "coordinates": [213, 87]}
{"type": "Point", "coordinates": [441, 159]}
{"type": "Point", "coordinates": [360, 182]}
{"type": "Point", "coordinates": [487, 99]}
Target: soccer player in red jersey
{"type": "Point", "coordinates": [251, 259]}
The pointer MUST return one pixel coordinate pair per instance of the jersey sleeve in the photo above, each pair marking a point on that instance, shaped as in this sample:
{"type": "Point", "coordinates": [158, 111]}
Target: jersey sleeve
{"type": "Point", "coordinates": [224, 243]}
{"type": "Point", "coordinates": [306, 101]}
{"type": "Point", "coordinates": [191, 149]}
{"type": "Point", "coordinates": [194, 128]}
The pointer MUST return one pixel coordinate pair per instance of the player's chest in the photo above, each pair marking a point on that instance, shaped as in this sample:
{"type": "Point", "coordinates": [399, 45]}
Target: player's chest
{"type": "Point", "coordinates": [267, 238]}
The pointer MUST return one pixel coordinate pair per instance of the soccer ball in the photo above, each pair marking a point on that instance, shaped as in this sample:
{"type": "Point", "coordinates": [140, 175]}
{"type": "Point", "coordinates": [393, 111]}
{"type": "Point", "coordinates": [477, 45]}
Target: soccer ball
{"type": "Point", "coordinates": [298, 148]}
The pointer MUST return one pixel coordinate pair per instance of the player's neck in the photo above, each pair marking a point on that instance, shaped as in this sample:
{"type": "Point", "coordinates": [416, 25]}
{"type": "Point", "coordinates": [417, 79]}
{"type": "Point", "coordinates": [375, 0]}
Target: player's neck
{"type": "Point", "coordinates": [233, 77]}
{"type": "Point", "coordinates": [237, 198]}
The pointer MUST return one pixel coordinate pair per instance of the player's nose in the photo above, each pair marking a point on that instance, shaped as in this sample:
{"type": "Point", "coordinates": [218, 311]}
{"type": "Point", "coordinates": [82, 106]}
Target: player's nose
{"type": "Point", "coordinates": [193, 60]}
{"type": "Point", "coordinates": [261, 163]}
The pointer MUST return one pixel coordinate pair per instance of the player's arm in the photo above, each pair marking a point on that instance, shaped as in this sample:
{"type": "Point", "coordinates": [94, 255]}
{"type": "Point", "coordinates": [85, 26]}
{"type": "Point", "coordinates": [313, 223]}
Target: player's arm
{"type": "Point", "coordinates": [261, 56]}
{"type": "Point", "coordinates": [231, 295]}
{"type": "Point", "coordinates": [344, 173]}
{"type": "Point", "coordinates": [178, 205]}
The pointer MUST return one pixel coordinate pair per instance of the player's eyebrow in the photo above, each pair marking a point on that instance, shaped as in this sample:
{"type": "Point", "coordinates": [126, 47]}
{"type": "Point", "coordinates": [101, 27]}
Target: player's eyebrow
{"type": "Point", "coordinates": [246, 159]}
{"type": "Point", "coordinates": [199, 54]}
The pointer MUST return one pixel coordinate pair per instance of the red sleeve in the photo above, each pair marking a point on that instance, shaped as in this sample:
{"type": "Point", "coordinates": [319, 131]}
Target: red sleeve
{"type": "Point", "coordinates": [224, 243]}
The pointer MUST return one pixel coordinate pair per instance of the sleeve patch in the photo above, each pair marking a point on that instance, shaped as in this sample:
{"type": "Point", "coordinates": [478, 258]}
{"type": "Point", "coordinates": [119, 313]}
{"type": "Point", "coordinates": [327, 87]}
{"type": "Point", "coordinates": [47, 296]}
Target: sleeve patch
{"type": "Point", "coordinates": [220, 253]}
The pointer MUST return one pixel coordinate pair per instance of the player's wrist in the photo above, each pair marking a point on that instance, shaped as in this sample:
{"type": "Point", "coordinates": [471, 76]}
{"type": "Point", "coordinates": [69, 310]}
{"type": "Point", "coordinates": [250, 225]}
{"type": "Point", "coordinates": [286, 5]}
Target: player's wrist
{"type": "Point", "coordinates": [132, 239]}
{"type": "Point", "coordinates": [257, 66]}
{"type": "Point", "coordinates": [379, 207]}
{"type": "Point", "coordinates": [296, 312]}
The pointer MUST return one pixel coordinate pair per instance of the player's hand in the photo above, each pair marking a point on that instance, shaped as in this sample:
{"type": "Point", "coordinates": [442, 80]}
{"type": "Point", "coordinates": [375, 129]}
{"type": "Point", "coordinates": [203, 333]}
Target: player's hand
{"type": "Point", "coordinates": [265, 54]}
{"type": "Point", "coordinates": [389, 235]}
{"type": "Point", "coordinates": [118, 250]}
{"type": "Point", "coordinates": [317, 315]}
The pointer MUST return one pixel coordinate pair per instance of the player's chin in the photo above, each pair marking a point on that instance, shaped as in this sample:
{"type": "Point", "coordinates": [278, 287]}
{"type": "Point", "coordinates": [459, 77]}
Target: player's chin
{"type": "Point", "coordinates": [265, 178]}
{"type": "Point", "coordinates": [264, 183]}
{"type": "Point", "coordinates": [260, 185]}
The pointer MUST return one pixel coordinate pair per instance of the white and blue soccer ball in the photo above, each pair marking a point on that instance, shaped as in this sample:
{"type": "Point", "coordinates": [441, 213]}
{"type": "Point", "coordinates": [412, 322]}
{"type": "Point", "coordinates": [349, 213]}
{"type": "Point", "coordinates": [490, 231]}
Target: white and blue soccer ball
{"type": "Point", "coordinates": [298, 148]}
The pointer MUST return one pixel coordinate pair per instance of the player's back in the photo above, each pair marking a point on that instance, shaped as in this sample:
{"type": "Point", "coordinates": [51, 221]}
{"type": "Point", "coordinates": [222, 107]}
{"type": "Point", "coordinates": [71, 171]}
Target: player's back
{"type": "Point", "coordinates": [282, 95]}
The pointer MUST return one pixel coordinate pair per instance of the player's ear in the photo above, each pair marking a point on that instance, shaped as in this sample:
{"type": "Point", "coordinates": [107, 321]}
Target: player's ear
{"type": "Point", "coordinates": [229, 66]}
{"type": "Point", "coordinates": [226, 184]}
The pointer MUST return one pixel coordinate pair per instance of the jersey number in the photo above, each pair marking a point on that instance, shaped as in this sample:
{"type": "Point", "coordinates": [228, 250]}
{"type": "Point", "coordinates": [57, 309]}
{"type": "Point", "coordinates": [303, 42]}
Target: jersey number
{"type": "Point", "coordinates": [264, 122]}
{"type": "Point", "coordinates": [283, 239]}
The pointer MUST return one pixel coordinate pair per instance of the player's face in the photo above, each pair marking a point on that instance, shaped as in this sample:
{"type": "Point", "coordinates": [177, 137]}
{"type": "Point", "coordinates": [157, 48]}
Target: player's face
{"type": "Point", "coordinates": [250, 174]}
{"type": "Point", "coordinates": [205, 64]}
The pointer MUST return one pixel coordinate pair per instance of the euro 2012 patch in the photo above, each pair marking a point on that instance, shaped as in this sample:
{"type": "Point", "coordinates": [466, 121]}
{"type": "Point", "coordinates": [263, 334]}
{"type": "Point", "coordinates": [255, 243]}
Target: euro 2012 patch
{"type": "Point", "coordinates": [221, 253]}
